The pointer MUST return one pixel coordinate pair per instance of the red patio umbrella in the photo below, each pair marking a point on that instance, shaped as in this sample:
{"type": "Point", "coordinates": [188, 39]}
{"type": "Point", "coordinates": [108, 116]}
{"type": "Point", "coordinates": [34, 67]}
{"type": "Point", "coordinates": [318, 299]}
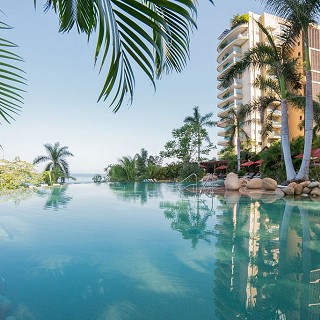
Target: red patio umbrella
{"type": "Point", "coordinates": [247, 164]}
{"type": "Point", "coordinates": [315, 153]}
{"type": "Point", "coordinates": [222, 167]}
{"type": "Point", "coordinates": [257, 163]}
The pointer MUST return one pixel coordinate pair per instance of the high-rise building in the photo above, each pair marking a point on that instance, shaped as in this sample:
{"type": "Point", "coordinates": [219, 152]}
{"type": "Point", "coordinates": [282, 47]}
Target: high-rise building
{"type": "Point", "coordinates": [243, 34]}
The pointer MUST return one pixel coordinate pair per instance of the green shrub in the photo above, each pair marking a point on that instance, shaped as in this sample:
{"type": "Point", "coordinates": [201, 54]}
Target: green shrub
{"type": "Point", "coordinates": [15, 174]}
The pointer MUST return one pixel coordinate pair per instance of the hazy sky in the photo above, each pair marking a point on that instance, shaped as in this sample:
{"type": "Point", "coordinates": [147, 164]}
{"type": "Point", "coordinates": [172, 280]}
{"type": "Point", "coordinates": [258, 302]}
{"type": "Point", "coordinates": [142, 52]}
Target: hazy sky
{"type": "Point", "coordinates": [63, 86]}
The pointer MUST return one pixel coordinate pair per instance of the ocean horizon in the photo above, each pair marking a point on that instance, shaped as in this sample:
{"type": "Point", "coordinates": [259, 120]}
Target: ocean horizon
{"type": "Point", "coordinates": [82, 177]}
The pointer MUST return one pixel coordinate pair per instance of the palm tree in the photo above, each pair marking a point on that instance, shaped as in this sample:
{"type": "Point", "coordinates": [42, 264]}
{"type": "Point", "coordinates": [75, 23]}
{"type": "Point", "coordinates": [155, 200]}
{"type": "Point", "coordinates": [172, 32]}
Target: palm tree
{"type": "Point", "coordinates": [198, 123]}
{"type": "Point", "coordinates": [12, 79]}
{"type": "Point", "coordinates": [124, 170]}
{"type": "Point", "coordinates": [57, 165]}
{"type": "Point", "coordinates": [300, 15]}
{"type": "Point", "coordinates": [236, 120]}
{"type": "Point", "coordinates": [279, 63]}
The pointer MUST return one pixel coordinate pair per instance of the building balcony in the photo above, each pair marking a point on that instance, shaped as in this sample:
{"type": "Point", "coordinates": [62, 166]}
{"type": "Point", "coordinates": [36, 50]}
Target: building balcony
{"type": "Point", "coordinates": [228, 92]}
{"type": "Point", "coordinates": [235, 51]}
{"type": "Point", "coordinates": [222, 124]}
{"type": "Point", "coordinates": [276, 124]}
{"type": "Point", "coordinates": [223, 68]}
{"type": "Point", "coordinates": [223, 113]}
{"type": "Point", "coordinates": [237, 83]}
{"type": "Point", "coordinates": [228, 36]}
{"type": "Point", "coordinates": [274, 135]}
{"type": "Point", "coordinates": [276, 113]}
{"type": "Point", "coordinates": [223, 143]}
{"type": "Point", "coordinates": [221, 133]}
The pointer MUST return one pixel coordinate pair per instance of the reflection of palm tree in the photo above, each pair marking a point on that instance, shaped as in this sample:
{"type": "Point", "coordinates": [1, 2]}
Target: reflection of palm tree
{"type": "Point", "coordinates": [190, 220]}
{"type": "Point", "coordinates": [58, 198]}
{"type": "Point", "coordinates": [141, 191]}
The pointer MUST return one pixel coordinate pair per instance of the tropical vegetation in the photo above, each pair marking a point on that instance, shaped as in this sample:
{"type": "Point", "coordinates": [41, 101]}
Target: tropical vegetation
{"type": "Point", "coordinates": [12, 78]}
{"type": "Point", "coordinates": [300, 16]}
{"type": "Point", "coordinates": [152, 35]}
{"type": "Point", "coordinates": [191, 142]}
{"type": "Point", "coordinates": [236, 119]}
{"type": "Point", "coordinates": [18, 174]}
{"type": "Point", "coordinates": [57, 167]}
{"type": "Point", "coordinates": [277, 59]}
{"type": "Point", "coordinates": [198, 124]}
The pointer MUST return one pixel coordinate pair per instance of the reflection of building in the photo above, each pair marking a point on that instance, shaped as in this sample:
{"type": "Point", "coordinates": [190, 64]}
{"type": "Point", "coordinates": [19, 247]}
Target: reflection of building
{"type": "Point", "coordinates": [261, 274]}
{"type": "Point", "coordinates": [242, 35]}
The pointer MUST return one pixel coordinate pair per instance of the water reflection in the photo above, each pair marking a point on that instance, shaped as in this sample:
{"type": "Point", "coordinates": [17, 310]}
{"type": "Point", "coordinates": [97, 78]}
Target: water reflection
{"type": "Point", "coordinates": [19, 195]}
{"type": "Point", "coordinates": [58, 198]}
{"type": "Point", "coordinates": [267, 261]}
{"type": "Point", "coordinates": [139, 191]}
{"type": "Point", "coordinates": [190, 218]}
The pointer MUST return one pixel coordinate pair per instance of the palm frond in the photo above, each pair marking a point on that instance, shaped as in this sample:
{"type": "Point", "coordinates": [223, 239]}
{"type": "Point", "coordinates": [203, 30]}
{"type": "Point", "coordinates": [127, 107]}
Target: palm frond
{"type": "Point", "coordinates": [11, 79]}
{"type": "Point", "coordinates": [40, 159]}
{"type": "Point", "coordinates": [152, 34]}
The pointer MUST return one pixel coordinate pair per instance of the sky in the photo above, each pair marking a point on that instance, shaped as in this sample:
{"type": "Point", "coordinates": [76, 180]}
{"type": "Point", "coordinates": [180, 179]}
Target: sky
{"type": "Point", "coordinates": [63, 87]}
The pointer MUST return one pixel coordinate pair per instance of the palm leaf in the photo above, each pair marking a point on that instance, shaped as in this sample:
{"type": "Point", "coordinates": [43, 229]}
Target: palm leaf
{"type": "Point", "coordinates": [150, 34]}
{"type": "Point", "coordinates": [11, 79]}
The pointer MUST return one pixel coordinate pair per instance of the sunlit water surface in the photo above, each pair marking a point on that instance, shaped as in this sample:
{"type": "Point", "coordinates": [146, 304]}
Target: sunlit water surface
{"type": "Point", "coordinates": [151, 251]}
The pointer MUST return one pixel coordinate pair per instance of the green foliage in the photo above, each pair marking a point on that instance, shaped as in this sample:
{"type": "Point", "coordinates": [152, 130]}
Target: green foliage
{"type": "Point", "coordinates": [123, 171]}
{"type": "Point", "coordinates": [57, 166]}
{"type": "Point", "coordinates": [272, 166]}
{"type": "Point", "coordinates": [16, 174]}
{"type": "Point", "coordinates": [182, 146]}
{"type": "Point", "coordinates": [189, 169]}
{"type": "Point", "coordinates": [239, 19]}
{"type": "Point", "coordinates": [12, 79]}
{"type": "Point", "coordinates": [170, 171]}
{"type": "Point", "coordinates": [153, 35]}
{"type": "Point", "coordinates": [97, 178]}
{"type": "Point", "coordinates": [185, 144]}
{"type": "Point", "coordinates": [142, 164]}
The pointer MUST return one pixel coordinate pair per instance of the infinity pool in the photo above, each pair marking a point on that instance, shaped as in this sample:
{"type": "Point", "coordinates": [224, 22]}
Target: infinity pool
{"type": "Point", "coordinates": [150, 251]}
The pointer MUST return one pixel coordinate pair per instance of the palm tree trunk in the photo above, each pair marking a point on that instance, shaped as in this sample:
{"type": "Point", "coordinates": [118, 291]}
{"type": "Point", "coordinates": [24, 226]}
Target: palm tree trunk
{"type": "Point", "coordinates": [285, 141]}
{"type": "Point", "coordinates": [308, 134]}
{"type": "Point", "coordinates": [308, 116]}
{"type": "Point", "coordinates": [238, 151]}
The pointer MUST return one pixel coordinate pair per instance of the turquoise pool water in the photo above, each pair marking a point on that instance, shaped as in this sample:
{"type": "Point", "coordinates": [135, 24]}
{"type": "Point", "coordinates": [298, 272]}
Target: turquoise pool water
{"type": "Point", "coordinates": [150, 251]}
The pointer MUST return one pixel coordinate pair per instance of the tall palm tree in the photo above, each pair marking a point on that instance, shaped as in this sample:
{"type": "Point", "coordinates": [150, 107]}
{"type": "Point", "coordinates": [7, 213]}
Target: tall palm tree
{"type": "Point", "coordinates": [198, 123]}
{"type": "Point", "coordinates": [236, 120]}
{"type": "Point", "coordinates": [12, 80]}
{"type": "Point", "coordinates": [55, 157]}
{"type": "Point", "coordinates": [279, 63]}
{"type": "Point", "coordinates": [301, 14]}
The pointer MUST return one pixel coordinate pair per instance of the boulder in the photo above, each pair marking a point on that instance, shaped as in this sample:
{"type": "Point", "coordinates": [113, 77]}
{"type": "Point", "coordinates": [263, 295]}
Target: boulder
{"type": "Point", "coordinates": [232, 197]}
{"type": "Point", "coordinates": [232, 182]}
{"type": "Point", "coordinates": [298, 189]}
{"type": "Point", "coordinates": [306, 190]}
{"type": "Point", "coordinates": [305, 183]}
{"type": "Point", "coordinates": [313, 184]}
{"type": "Point", "coordinates": [305, 195]}
{"type": "Point", "coordinates": [292, 184]}
{"type": "Point", "coordinates": [255, 183]}
{"type": "Point", "coordinates": [269, 184]}
{"type": "Point", "coordinates": [315, 192]}
{"type": "Point", "coordinates": [289, 191]}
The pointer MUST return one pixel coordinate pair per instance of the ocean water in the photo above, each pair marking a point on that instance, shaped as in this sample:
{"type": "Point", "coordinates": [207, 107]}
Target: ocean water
{"type": "Point", "coordinates": [153, 251]}
{"type": "Point", "coordinates": [83, 177]}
